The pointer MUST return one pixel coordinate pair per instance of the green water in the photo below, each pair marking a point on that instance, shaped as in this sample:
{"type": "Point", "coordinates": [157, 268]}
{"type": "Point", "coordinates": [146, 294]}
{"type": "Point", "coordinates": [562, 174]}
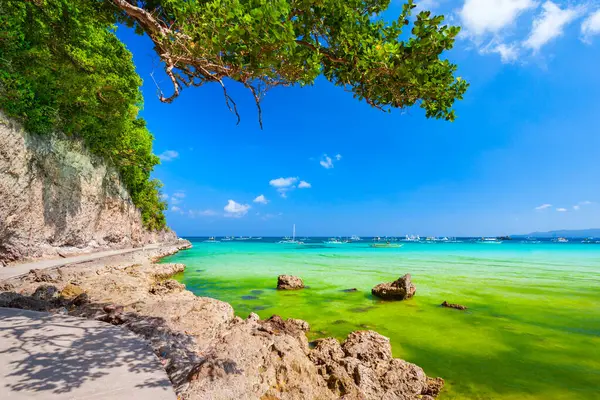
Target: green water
{"type": "Point", "coordinates": [532, 330]}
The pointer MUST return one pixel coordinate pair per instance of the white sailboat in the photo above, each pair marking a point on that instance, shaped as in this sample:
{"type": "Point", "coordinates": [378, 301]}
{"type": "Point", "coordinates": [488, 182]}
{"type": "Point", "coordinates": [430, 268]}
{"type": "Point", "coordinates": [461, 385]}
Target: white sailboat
{"type": "Point", "coordinates": [293, 240]}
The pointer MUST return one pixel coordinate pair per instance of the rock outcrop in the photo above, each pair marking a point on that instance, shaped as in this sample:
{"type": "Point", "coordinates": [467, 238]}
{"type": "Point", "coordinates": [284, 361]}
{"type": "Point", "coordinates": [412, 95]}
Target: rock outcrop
{"type": "Point", "coordinates": [289, 282]}
{"type": "Point", "coordinates": [56, 199]}
{"type": "Point", "coordinates": [362, 367]}
{"type": "Point", "coordinates": [400, 289]}
{"type": "Point", "coordinates": [211, 354]}
{"type": "Point", "coordinates": [452, 305]}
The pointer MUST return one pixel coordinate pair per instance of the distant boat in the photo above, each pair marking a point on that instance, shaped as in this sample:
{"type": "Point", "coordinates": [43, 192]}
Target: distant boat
{"type": "Point", "coordinates": [287, 240]}
{"type": "Point", "coordinates": [227, 239]}
{"type": "Point", "coordinates": [452, 240]}
{"type": "Point", "coordinates": [243, 238]}
{"type": "Point", "coordinates": [560, 240]}
{"type": "Point", "coordinates": [386, 245]}
{"type": "Point", "coordinates": [590, 240]}
{"type": "Point", "coordinates": [211, 240]}
{"type": "Point", "coordinates": [355, 238]}
{"type": "Point", "coordinates": [412, 238]}
{"type": "Point", "coordinates": [489, 241]}
{"type": "Point", "coordinates": [334, 241]}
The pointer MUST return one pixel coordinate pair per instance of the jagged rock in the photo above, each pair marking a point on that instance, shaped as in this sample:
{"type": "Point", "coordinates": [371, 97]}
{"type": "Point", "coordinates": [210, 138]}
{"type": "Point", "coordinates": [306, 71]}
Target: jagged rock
{"type": "Point", "coordinates": [451, 305]}
{"type": "Point", "coordinates": [71, 291]}
{"type": "Point", "coordinates": [45, 293]}
{"type": "Point", "coordinates": [81, 300]}
{"type": "Point", "coordinates": [363, 368]}
{"type": "Point", "coordinates": [400, 289]}
{"type": "Point", "coordinates": [166, 287]}
{"type": "Point", "coordinates": [289, 282]}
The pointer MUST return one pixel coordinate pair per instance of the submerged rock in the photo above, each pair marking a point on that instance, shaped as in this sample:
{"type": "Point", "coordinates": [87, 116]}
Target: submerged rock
{"type": "Point", "coordinates": [351, 290]}
{"type": "Point", "coordinates": [289, 282]}
{"type": "Point", "coordinates": [455, 306]}
{"type": "Point", "coordinates": [400, 289]}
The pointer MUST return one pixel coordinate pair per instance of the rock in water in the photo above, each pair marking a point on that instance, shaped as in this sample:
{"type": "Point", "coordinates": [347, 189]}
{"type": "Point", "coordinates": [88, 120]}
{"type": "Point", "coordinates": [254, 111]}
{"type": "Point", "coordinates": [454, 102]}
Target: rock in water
{"type": "Point", "coordinates": [363, 368]}
{"type": "Point", "coordinates": [456, 306]}
{"type": "Point", "coordinates": [289, 282]}
{"type": "Point", "coordinates": [400, 289]}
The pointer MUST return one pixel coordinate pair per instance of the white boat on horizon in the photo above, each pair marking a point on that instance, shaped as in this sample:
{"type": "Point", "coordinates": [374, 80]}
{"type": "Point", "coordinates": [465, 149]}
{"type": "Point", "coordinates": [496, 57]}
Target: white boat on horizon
{"type": "Point", "coordinates": [411, 238]}
{"type": "Point", "coordinates": [561, 240]}
{"type": "Point", "coordinates": [287, 240]}
{"type": "Point", "coordinates": [355, 238]}
{"type": "Point", "coordinates": [212, 240]}
{"type": "Point", "coordinates": [485, 240]}
{"type": "Point", "coordinates": [334, 241]}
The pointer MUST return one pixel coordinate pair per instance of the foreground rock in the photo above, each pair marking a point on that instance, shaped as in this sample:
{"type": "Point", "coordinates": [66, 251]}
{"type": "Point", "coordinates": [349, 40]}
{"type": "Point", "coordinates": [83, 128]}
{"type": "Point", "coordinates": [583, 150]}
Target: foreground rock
{"type": "Point", "coordinates": [209, 353]}
{"type": "Point", "coordinates": [455, 306]}
{"type": "Point", "coordinates": [289, 282]}
{"type": "Point", "coordinates": [362, 367]}
{"type": "Point", "coordinates": [400, 289]}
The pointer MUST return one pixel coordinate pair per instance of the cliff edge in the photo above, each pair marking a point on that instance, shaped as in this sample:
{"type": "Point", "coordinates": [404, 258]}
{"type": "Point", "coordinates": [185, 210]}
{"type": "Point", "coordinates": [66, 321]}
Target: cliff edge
{"type": "Point", "coordinates": [57, 199]}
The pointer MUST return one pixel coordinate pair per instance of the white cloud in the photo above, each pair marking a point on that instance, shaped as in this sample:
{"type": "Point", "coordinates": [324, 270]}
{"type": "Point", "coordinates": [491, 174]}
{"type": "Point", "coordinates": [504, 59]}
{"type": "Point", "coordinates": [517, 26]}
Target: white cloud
{"type": "Point", "coordinates": [576, 208]}
{"type": "Point", "coordinates": [261, 199]}
{"type": "Point", "coordinates": [426, 5]}
{"type": "Point", "coordinates": [304, 185]}
{"type": "Point", "coordinates": [338, 157]}
{"type": "Point", "coordinates": [481, 17]}
{"type": "Point", "coordinates": [168, 155]}
{"type": "Point", "coordinates": [175, 209]}
{"type": "Point", "coordinates": [175, 200]}
{"type": "Point", "coordinates": [164, 197]}
{"type": "Point", "coordinates": [326, 162]}
{"type": "Point", "coordinates": [283, 182]}
{"type": "Point", "coordinates": [591, 26]}
{"type": "Point", "coordinates": [508, 53]}
{"type": "Point", "coordinates": [543, 206]}
{"type": "Point", "coordinates": [550, 24]}
{"type": "Point", "coordinates": [234, 209]}
{"type": "Point", "coordinates": [561, 209]}
{"type": "Point", "coordinates": [201, 213]}
{"type": "Point", "coordinates": [179, 194]}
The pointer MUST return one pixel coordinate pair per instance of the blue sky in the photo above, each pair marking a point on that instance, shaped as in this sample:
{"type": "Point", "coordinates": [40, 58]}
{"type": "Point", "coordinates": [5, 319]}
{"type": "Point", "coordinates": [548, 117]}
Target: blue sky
{"type": "Point", "coordinates": [523, 155]}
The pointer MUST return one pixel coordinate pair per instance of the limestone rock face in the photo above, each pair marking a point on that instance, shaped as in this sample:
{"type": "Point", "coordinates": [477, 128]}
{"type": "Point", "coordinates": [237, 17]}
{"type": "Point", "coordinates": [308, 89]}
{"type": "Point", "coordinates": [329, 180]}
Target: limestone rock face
{"type": "Point", "coordinates": [400, 289]}
{"type": "Point", "coordinates": [56, 199]}
{"type": "Point", "coordinates": [289, 282]}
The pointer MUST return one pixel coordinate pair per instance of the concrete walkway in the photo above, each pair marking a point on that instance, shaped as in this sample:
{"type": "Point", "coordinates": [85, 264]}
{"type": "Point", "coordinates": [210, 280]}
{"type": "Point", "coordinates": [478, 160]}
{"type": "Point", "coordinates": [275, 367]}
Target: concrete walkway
{"type": "Point", "coordinates": [22, 269]}
{"type": "Point", "coordinates": [45, 356]}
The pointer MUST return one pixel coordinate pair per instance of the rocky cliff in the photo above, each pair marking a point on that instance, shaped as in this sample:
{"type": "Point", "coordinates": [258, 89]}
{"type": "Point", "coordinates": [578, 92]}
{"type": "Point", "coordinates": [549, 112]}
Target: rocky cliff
{"type": "Point", "coordinates": [57, 199]}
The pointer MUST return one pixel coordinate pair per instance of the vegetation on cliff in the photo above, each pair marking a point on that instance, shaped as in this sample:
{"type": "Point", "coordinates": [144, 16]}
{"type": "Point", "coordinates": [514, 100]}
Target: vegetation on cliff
{"type": "Point", "coordinates": [63, 69]}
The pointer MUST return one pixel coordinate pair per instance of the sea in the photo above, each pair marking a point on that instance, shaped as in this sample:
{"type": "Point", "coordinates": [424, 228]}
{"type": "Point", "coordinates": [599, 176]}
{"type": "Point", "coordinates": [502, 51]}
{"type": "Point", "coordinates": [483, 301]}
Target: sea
{"type": "Point", "coordinates": [531, 330]}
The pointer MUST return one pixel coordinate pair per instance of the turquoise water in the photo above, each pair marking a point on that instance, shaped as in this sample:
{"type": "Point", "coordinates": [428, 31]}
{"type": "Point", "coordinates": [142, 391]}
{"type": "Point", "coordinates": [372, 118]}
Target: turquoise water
{"type": "Point", "coordinates": [532, 330]}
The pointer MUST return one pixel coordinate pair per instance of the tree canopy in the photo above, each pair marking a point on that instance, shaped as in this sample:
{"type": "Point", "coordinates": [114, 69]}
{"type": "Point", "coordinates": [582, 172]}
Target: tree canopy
{"type": "Point", "coordinates": [267, 43]}
{"type": "Point", "coordinates": [62, 68]}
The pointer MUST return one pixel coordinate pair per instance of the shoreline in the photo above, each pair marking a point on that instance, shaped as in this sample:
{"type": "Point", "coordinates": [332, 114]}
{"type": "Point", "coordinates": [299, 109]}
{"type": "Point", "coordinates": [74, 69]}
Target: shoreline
{"type": "Point", "coordinates": [206, 350]}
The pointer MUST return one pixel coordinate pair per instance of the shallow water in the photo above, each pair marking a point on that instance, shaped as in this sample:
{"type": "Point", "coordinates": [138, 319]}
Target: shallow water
{"type": "Point", "coordinates": [532, 330]}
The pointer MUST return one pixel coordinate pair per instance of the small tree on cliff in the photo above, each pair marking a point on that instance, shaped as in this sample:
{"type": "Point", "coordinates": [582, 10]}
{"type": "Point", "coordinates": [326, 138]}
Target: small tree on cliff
{"type": "Point", "coordinates": [267, 43]}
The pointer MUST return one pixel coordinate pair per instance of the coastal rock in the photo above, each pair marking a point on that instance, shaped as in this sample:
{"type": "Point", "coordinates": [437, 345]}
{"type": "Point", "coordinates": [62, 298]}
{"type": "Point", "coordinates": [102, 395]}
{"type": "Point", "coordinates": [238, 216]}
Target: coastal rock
{"type": "Point", "coordinates": [166, 287]}
{"type": "Point", "coordinates": [209, 353]}
{"type": "Point", "coordinates": [289, 282]}
{"type": "Point", "coordinates": [400, 289]}
{"type": "Point", "coordinates": [56, 199]}
{"type": "Point", "coordinates": [45, 293]}
{"type": "Point", "coordinates": [363, 368]}
{"type": "Point", "coordinates": [455, 306]}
